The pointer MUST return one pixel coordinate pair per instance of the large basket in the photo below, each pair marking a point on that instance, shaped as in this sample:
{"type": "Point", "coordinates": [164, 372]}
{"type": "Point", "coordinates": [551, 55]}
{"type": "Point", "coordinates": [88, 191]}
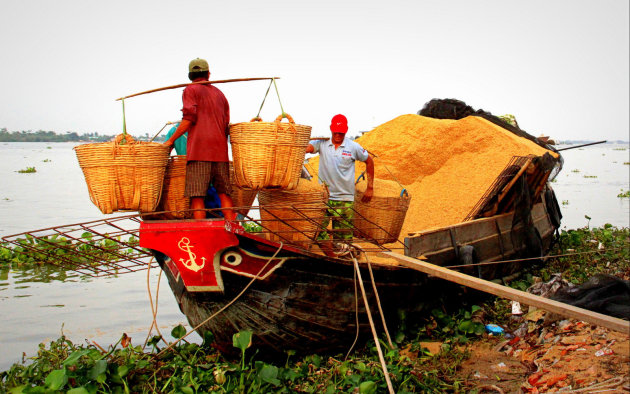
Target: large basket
{"type": "Point", "coordinates": [178, 205]}
{"type": "Point", "coordinates": [173, 199]}
{"type": "Point", "coordinates": [294, 216]}
{"type": "Point", "coordinates": [380, 220]}
{"type": "Point", "coordinates": [268, 154]}
{"type": "Point", "coordinates": [241, 197]}
{"type": "Point", "coordinates": [124, 174]}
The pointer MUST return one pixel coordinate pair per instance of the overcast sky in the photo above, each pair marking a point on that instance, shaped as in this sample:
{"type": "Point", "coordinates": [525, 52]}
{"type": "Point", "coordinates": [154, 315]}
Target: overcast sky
{"type": "Point", "coordinates": [561, 67]}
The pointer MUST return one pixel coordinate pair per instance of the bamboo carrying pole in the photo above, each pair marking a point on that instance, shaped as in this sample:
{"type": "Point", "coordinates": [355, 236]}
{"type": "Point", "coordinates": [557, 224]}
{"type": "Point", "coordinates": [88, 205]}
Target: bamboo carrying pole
{"type": "Point", "coordinates": [557, 307]}
{"type": "Point", "coordinates": [195, 83]}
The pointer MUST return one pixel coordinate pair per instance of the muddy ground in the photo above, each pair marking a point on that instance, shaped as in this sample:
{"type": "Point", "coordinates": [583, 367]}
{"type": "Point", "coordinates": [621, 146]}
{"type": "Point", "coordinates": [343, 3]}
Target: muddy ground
{"type": "Point", "coordinates": [564, 356]}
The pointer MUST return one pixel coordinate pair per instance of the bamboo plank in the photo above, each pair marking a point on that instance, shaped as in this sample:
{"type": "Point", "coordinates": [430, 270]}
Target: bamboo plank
{"type": "Point", "coordinates": [508, 187]}
{"type": "Point", "coordinates": [557, 307]}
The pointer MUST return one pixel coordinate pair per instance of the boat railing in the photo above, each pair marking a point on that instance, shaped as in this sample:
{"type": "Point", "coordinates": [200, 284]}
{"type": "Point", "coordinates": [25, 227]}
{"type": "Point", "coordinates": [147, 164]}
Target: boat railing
{"type": "Point", "coordinates": [109, 247]}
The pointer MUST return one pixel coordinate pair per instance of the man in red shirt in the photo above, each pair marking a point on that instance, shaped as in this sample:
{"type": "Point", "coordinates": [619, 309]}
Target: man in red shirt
{"type": "Point", "coordinates": [206, 118]}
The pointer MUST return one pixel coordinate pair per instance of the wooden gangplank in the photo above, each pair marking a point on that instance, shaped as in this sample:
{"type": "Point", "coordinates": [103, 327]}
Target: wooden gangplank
{"type": "Point", "coordinates": [557, 307]}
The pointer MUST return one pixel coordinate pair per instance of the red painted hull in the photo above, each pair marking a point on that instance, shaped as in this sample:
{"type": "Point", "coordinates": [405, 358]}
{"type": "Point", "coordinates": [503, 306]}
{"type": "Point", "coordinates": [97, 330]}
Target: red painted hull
{"type": "Point", "coordinates": [300, 301]}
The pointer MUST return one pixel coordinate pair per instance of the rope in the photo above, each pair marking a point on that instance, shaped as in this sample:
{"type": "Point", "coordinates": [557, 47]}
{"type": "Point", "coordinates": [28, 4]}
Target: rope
{"type": "Point", "coordinates": [356, 315]}
{"type": "Point", "coordinates": [153, 309]}
{"type": "Point", "coordinates": [273, 80]}
{"type": "Point", "coordinates": [388, 170]}
{"type": "Point", "coordinates": [378, 301]}
{"type": "Point", "coordinates": [278, 94]}
{"type": "Point", "coordinates": [309, 166]}
{"type": "Point", "coordinates": [124, 119]}
{"type": "Point", "coordinates": [264, 98]}
{"type": "Point", "coordinates": [606, 385]}
{"type": "Point", "coordinates": [390, 173]}
{"type": "Point", "coordinates": [375, 336]}
{"type": "Point", "coordinates": [158, 133]}
{"type": "Point", "coordinates": [530, 258]}
{"type": "Point", "coordinates": [226, 305]}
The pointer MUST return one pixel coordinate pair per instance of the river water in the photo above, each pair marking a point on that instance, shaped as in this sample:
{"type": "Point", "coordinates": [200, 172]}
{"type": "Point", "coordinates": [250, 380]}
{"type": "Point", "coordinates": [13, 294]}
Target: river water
{"type": "Point", "coordinates": [37, 305]}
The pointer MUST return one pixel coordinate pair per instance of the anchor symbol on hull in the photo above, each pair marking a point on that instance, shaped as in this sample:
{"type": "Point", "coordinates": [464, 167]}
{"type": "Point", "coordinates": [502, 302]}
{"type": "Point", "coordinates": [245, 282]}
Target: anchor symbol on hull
{"type": "Point", "coordinates": [191, 263]}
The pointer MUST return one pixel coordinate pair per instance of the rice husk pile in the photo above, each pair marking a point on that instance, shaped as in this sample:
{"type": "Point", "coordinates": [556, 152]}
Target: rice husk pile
{"type": "Point", "coordinates": [386, 188]}
{"type": "Point", "coordinates": [445, 165]}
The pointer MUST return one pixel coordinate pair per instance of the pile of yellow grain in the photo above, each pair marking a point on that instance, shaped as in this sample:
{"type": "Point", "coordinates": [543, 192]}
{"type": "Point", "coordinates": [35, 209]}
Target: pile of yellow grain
{"type": "Point", "coordinates": [446, 165]}
{"type": "Point", "coordinates": [386, 188]}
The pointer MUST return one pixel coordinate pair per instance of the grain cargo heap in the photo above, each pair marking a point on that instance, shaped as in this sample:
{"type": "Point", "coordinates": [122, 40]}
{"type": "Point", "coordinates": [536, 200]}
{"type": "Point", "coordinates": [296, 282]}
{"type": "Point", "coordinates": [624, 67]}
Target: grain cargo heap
{"type": "Point", "coordinates": [446, 165]}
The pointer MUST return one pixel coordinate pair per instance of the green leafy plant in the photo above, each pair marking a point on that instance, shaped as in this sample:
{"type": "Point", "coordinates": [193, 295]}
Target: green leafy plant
{"type": "Point", "coordinates": [623, 194]}
{"type": "Point", "coordinates": [455, 327]}
{"type": "Point", "coordinates": [27, 170]}
{"type": "Point", "coordinates": [242, 340]}
{"type": "Point", "coordinates": [252, 227]}
{"type": "Point", "coordinates": [191, 368]}
{"type": "Point", "coordinates": [510, 119]}
{"type": "Point", "coordinates": [31, 251]}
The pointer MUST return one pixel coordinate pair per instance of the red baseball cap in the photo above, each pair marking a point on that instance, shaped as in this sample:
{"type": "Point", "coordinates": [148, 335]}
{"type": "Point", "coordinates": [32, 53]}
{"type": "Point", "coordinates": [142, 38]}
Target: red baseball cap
{"type": "Point", "coordinates": [339, 124]}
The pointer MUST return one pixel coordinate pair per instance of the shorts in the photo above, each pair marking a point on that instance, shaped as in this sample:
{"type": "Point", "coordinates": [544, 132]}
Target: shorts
{"type": "Point", "coordinates": [200, 174]}
{"type": "Point", "coordinates": [342, 214]}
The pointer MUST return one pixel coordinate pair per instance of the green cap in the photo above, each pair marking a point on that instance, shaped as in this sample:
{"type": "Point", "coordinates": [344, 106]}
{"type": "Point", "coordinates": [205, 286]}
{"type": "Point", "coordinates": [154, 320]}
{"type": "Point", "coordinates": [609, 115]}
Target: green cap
{"type": "Point", "coordinates": [198, 65]}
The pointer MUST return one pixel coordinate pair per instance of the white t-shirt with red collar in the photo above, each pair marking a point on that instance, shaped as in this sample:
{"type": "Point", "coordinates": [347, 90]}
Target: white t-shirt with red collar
{"type": "Point", "coordinates": [336, 166]}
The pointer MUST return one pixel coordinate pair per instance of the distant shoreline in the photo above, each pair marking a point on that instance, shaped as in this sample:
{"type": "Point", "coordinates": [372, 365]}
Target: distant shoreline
{"type": "Point", "coordinates": [577, 142]}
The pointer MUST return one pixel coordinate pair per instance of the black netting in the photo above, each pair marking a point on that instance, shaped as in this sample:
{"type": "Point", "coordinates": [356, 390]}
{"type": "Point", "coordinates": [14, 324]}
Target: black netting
{"type": "Point", "coordinates": [447, 109]}
{"type": "Point", "coordinates": [602, 293]}
{"type": "Point", "coordinates": [457, 109]}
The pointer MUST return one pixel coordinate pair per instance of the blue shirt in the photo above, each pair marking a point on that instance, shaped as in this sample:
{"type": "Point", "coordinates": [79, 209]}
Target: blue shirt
{"type": "Point", "coordinates": [336, 166]}
{"type": "Point", "coordinates": [180, 143]}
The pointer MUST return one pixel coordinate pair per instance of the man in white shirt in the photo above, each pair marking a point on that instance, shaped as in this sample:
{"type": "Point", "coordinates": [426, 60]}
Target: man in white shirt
{"type": "Point", "coordinates": [336, 169]}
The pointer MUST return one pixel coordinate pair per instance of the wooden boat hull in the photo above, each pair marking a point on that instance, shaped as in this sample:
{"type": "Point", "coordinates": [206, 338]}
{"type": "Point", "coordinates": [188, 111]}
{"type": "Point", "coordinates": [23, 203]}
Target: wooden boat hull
{"type": "Point", "coordinates": [307, 302]}
{"type": "Point", "coordinates": [486, 240]}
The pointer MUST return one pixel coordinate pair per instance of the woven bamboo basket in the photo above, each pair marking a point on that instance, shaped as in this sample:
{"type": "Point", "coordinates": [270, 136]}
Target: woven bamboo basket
{"type": "Point", "coordinates": [124, 174]}
{"type": "Point", "coordinates": [241, 197]}
{"type": "Point", "coordinates": [294, 216]}
{"type": "Point", "coordinates": [268, 154]}
{"type": "Point", "coordinates": [380, 220]}
{"type": "Point", "coordinates": [178, 205]}
{"type": "Point", "coordinates": [173, 199]}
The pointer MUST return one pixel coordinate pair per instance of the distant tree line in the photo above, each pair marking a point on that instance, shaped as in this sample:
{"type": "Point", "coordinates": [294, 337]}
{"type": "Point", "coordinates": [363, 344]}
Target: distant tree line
{"type": "Point", "coordinates": [69, 136]}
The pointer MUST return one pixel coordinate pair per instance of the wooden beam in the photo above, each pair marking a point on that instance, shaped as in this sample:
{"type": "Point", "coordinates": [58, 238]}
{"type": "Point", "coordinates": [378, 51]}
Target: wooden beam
{"type": "Point", "coordinates": [547, 304]}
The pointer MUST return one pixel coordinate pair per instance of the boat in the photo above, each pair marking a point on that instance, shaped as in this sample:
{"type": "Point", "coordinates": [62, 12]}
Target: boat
{"type": "Point", "coordinates": [226, 279]}
{"type": "Point", "coordinates": [290, 295]}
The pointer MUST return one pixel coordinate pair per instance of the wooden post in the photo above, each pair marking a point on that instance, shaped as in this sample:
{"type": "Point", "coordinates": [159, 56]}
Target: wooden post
{"type": "Point", "coordinates": [557, 307]}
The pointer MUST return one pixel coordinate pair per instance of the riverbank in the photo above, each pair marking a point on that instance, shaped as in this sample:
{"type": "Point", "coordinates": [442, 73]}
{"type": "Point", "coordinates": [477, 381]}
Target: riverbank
{"type": "Point", "coordinates": [446, 350]}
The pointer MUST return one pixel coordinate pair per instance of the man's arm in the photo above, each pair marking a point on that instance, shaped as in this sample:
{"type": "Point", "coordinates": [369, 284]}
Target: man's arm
{"type": "Point", "coordinates": [181, 129]}
{"type": "Point", "coordinates": [369, 191]}
{"type": "Point", "coordinates": [310, 149]}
